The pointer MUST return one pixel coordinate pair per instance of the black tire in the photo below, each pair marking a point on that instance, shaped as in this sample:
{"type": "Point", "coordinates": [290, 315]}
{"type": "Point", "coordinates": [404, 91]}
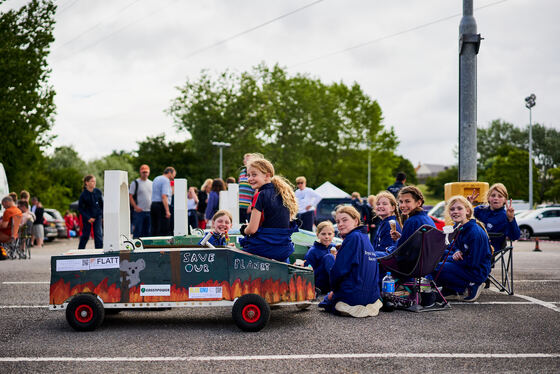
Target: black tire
{"type": "Point", "coordinates": [526, 232]}
{"type": "Point", "coordinates": [85, 313]}
{"type": "Point", "coordinates": [251, 312]}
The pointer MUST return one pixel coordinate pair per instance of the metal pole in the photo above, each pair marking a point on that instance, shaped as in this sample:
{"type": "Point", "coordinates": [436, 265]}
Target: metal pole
{"type": "Point", "coordinates": [469, 44]}
{"type": "Point", "coordinates": [221, 148]}
{"type": "Point", "coordinates": [530, 159]}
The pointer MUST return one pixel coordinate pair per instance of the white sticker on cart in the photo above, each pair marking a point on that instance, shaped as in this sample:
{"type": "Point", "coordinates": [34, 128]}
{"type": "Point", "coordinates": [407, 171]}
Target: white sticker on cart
{"type": "Point", "coordinates": [76, 264]}
{"type": "Point", "coordinates": [155, 290]}
{"type": "Point", "coordinates": [205, 292]}
{"type": "Point", "coordinates": [104, 263]}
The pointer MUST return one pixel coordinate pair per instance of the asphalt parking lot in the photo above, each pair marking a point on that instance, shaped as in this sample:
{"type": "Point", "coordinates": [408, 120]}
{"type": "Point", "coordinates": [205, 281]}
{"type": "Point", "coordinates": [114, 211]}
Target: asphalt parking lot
{"type": "Point", "coordinates": [499, 333]}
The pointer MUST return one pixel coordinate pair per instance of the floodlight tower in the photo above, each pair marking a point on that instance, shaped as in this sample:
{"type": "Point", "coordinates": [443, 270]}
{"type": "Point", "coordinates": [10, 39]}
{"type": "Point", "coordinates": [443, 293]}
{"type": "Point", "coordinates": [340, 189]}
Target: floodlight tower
{"type": "Point", "coordinates": [529, 104]}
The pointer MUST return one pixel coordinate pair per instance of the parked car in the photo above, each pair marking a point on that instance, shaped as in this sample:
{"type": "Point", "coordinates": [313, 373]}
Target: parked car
{"type": "Point", "coordinates": [544, 221]}
{"type": "Point", "coordinates": [54, 216]}
{"type": "Point", "coordinates": [438, 211]}
{"type": "Point", "coordinates": [326, 207]}
{"type": "Point", "coordinates": [49, 226]}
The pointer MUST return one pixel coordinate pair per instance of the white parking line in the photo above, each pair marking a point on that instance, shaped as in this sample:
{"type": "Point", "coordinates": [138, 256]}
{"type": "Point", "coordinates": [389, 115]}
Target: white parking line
{"type": "Point", "coordinates": [283, 357]}
{"type": "Point", "coordinates": [546, 304]}
{"type": "Point", "coordinates": [22, 306]}
{"type": "Point", "coordinates": [26, 282]}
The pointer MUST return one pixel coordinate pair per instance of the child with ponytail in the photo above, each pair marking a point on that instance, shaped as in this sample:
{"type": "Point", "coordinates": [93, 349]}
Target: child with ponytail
{"type": "Point", "coordinates": [270, 228]}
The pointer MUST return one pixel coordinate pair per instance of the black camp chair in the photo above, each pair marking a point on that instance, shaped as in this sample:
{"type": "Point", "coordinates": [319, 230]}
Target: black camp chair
{"type": "Point", "coordinates": [504, 258]}
{"type": "Point", "coordinates": [417, 257]}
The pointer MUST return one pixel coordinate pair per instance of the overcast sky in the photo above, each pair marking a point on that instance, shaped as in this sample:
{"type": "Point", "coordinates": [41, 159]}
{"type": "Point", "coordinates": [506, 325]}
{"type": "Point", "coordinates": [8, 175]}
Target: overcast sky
{"type": "Point", "coordinates": [116, 63]}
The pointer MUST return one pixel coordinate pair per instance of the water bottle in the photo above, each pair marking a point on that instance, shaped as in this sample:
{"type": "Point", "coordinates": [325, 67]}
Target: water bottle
{"type": "Point", "coordinates": [388, 288]}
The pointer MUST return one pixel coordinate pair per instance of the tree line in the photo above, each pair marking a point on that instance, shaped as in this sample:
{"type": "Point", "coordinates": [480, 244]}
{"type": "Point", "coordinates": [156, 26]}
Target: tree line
{"type": "Point", "coordinates": [503, 156]}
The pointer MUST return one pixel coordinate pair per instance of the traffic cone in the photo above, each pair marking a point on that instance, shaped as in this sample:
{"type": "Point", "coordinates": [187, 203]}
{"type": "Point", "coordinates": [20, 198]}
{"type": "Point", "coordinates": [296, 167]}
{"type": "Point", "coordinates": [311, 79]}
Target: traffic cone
{"type": "Point", "coordinates": [537, 249]}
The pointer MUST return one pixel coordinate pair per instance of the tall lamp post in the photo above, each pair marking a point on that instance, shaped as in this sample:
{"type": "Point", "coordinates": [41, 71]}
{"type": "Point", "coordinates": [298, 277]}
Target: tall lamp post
{"type": "Point", "coordinates": [529, 104]}
{"type": "Point", "coordinates": [221, 146]}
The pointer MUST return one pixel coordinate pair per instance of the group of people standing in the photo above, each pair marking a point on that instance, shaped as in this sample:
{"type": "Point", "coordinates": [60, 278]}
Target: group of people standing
{"type": "Point", "coordinates": [23, 211]}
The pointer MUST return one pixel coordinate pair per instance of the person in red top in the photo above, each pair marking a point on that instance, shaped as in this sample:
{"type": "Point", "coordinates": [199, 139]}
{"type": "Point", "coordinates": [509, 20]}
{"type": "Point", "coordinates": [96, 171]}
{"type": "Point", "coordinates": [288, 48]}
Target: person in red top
{"type": "Point", "coordinates": [6, 225]}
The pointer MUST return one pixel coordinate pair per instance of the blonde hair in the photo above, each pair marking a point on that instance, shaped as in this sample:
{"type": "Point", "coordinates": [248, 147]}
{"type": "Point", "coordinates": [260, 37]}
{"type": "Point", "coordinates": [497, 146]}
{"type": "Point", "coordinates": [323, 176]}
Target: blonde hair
{"type": "Point", "coordinates": [356, 195]}
{"type": "Point", "coordinates": [301, 179]}
{"type": "Point", "coordinates": [350, 210]}
{"type": "Point", "coordinates": [253, 155]}
{"type": "Point", "coordinates": [389, 196]}
{"type": "Point", "coordinates": [499, 188]}
{"type": "Point", "coordinates": [205, 184]}
{"type": "Point", "coordinates": [283, 186]}
{"type": "Point", "coordinates": [221, 213]}
{"type": "Point", "coordinates": [461, 199]}
{"type": "Point", "coordinates": [371, 200]}
{"type": "Point", "coordinates": [324, 225]}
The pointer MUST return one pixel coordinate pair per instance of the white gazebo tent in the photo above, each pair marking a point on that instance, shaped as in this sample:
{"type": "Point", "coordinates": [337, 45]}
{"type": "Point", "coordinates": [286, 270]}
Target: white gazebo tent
{"type": "Point", "coordinates": [328, 191]}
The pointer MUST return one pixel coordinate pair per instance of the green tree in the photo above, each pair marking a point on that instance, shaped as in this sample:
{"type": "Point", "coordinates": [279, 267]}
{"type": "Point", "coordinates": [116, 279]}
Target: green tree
{"type": "Point", "coordinates": [404, 165]}
{"type": "Point", "coordinates": [117, 160]}
{"type": "Point", "coordinates": [304, 126]}
{"type": "Point", "coordinates": [511, 167]}
{"type": "Point", "coordinates": [553, 192]}
{"type": "Point", "coordinates": [436, 185]}
{"type": "Point", "coordinates": [26, 97]}
{"type": "Point", "coordinates": [158, 153]}
{"type": "Point", "coordinates": [66, 157]}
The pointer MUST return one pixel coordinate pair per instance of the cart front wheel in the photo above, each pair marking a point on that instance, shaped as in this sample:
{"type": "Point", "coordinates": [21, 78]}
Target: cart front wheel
{"type": "Point", "coordinates": [251, 312]}
{"type": "Point", "coordinates": [85, 313]}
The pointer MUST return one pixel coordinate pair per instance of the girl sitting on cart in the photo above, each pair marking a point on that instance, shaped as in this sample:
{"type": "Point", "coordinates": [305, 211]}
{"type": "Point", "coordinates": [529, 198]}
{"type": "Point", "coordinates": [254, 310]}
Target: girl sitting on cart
{"type": "Point", "coordinates": [221, 224]}
{"type": "Point", "coordinates": [320, 257]}
{"type": "Point", "coordinates": [354, 275]}
{"type": "Point", "coordinates": [411, 200]}
{"type": "Point", "coordinates": [270, 228]}
{"type": "Point", "coordinates": [470, 253]}
{"type": "Point", "coordinates": [386, 209]}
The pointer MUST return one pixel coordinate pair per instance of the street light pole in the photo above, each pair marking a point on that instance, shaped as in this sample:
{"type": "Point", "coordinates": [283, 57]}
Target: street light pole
{"type": "Point", "coordinates": [221, 146]}
{"type": "Point", "coordinates": [529, 104]}
{"type": "Point", "coordinates": [369, 168]}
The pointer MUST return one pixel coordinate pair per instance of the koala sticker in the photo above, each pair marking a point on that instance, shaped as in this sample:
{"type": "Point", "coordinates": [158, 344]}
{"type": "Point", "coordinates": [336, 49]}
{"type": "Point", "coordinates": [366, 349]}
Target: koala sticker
{"type": "Point", "coordinates": [132, 270]}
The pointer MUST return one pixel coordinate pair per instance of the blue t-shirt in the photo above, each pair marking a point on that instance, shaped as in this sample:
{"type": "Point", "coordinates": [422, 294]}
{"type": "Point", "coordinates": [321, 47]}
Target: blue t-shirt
{"type": "Point", "coordinates": [270, 204]}
{"type": "Point", "coordinates": [161, 185]}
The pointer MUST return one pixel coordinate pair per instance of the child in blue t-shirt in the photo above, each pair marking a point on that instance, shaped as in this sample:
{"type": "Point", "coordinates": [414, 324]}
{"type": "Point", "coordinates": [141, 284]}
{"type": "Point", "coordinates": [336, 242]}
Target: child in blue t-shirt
{"type": "Point", "coordinates": [270, 228]}
{"type": "Point", "coordinates": [319, 256]}
{"type": "Point", "coordinates": [386, 209]}
{"type": "Point", "coordinates": [411, 200]}
{"type": "Point", "coordinates": [221, 224]}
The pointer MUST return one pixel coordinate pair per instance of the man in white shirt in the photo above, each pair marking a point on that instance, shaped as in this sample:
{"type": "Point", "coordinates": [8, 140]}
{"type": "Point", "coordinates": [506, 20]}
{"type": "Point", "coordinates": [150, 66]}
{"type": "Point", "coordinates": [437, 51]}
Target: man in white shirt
{"type": "Point", "coordinates": [307, 200]}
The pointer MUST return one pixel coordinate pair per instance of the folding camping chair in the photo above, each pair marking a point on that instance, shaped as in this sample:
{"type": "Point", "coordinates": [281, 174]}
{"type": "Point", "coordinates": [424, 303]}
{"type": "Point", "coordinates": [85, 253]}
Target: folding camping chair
{"type": "Point", "coordinates": [504, 257]}
{"type": "Point", "coordinates": [417, 257]}
{"type": "Point", "coordinates": [12, 246]}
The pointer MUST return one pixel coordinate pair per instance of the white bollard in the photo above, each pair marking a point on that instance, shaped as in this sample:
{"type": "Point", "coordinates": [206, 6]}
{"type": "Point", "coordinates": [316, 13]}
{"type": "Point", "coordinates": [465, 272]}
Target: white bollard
{"type": "Point", "coordinates": [116, 210]}
{"type": "Point", "coordinates": [180, 220]}
{"type": "Point", "coordinates": [229, 200]}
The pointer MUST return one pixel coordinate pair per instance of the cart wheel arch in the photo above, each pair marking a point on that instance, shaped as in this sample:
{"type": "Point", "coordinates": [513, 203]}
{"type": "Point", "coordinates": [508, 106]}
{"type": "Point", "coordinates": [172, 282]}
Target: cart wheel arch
{"type": "Point", "coordinates": [85, 312]}
{"type": "Point", "coordinates": [251, 312]}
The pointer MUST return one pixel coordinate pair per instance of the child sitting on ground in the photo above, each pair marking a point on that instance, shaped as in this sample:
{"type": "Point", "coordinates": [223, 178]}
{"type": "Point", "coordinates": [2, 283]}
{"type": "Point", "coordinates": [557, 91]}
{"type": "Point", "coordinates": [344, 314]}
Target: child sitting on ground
{"type": "Point", "coordinates": [354, 275]}
{"type": "Point", "coordinates": [269, 231]}
{"type": "Point", "coordinates": [320, 257]}
{"type": "Point", "coordinates": [221, 224]}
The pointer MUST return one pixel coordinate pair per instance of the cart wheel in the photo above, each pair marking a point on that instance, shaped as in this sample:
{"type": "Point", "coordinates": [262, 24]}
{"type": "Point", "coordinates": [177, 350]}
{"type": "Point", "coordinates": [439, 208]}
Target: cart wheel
{"type": "Point", "coordinates": [85, 313]}
{"type": "Point", "coordinates": [251, 313]}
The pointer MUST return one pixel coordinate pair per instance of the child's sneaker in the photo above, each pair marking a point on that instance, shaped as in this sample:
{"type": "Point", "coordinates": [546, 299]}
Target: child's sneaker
{"type": "Point", "coordinates": [474, 290]}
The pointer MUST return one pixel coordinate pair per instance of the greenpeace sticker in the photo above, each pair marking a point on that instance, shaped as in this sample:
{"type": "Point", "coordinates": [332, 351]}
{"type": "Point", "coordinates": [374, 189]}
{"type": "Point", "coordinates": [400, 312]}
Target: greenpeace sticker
{"type": "Point", "coordinates": [155, 290]}
{"type": "Point", "coordinates": [205, 292]}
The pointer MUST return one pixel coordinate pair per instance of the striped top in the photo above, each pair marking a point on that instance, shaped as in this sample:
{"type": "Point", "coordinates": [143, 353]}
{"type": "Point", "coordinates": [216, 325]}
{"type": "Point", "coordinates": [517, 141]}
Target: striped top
{"type": "Point", "coordinates": [245, 190]}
